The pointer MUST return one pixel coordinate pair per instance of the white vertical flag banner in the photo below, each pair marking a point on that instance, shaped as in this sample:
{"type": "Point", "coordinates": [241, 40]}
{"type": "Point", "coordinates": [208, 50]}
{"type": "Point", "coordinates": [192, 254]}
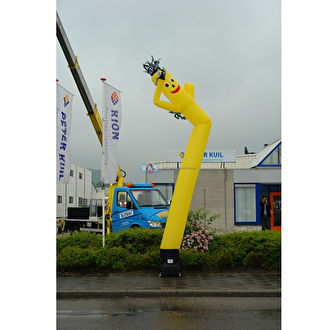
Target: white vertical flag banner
{"type": "Point", "coordinates": [111, 122]}
{"type": "Point", "coordinates": [63, 128]}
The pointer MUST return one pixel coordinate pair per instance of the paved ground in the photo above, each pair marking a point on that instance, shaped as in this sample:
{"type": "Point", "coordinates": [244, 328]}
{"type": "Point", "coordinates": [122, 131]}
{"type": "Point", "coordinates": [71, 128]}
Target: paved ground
{"type": "Point", "coordinates": [170, 313]}
{"type": "Point", "coordinates": [234, 284]}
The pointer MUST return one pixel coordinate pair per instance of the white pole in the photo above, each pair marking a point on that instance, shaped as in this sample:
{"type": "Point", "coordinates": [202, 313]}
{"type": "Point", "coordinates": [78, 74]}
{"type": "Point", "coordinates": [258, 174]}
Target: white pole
{"type": "Point", "coordinates": [103, 218]}
{"type": "Point", "coordinates": [103, 188]}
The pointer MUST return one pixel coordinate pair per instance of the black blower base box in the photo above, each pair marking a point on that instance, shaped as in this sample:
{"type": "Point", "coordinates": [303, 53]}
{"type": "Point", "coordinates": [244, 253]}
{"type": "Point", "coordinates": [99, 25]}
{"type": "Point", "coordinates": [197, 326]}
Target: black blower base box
{"type": "Point", "coordinates": [169, 263]}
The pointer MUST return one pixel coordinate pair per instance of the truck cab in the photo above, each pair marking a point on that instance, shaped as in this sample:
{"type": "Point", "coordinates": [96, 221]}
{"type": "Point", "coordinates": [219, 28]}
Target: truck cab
{"type": "Point", "coordinates": [138, 205]}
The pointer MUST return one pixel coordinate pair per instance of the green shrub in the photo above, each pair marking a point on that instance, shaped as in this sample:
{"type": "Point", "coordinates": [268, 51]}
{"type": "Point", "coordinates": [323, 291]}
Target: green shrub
{"type": "Point", "coordinates": [148, 260]}
{"type": "Point", "coordinates": [111, 259]}
{"type": "Point", "coordinates": [81, 239]}
{"type": "Point", "coordinates": [139, 249]}
{"type": "Point", "coordinates": [73, 258]}
{"type": "Point", "coordinates": [136, 240]}
{"type": "Point", "coordinates": [261, 249]}
{"type": "Point", "coordinates": [118, 257]}
{"type": "Point", "coordinates": [220, 260]}
{"type": "Point", "coordinates": [249, 249]}
{"type": "Point", "coordinates": [102, 259]}
{"type": "Point", "coordinates": [135, 262]}
{"type": "Point", "coordinates": [198, 234]}
{"type": "Point", "coordinates": [151, 258]}
{"type": "Point", "coordinates": [194, 260]}
{"type": "Point", "coordinates": [253, 259]}
{"type": "Point", "coordinates": [201, 217]}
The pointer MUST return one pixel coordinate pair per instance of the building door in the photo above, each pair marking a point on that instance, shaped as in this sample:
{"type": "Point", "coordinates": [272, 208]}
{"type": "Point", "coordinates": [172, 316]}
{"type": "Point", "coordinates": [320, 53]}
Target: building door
{"type": "Point", "coordinates": [275, 219]}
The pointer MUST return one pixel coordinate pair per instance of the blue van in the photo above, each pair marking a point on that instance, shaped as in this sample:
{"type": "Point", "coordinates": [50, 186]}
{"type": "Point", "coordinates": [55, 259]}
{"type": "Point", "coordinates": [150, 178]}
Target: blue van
{"type": "Point", "coordinates": [138, 205]}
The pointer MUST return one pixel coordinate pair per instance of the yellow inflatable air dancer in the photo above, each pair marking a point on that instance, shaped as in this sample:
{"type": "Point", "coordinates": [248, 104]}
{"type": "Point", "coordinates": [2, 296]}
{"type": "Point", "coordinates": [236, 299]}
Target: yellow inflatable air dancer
{"type": "Point", "coordinates": [182, 105]}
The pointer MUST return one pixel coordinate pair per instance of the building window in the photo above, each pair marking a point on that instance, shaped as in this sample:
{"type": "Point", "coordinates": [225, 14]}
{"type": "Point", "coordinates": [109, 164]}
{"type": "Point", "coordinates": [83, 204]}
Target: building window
{"type": "Point", "coordinates": [59, 199]}
{"type": "Point", "coordinates": [80, 175]}
{"type": "Point", "coordinates": [82, 201]}
{"type": "Point", "coordinates": [70, 200]}
{"type": "Point", "coordinates": [95, 207]}
{"type": "Point", "coordinates": [245, 203]}
{"type": "Point", "coordinates": [274, 158]}
{"type": "Point", "coordinates": [71, 173]}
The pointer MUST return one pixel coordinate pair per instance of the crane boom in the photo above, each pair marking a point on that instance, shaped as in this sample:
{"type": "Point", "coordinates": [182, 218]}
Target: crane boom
{"type": "Point", "coordinates": [91, 107]}
{"type": "Point", "coordinates": [73, 64]}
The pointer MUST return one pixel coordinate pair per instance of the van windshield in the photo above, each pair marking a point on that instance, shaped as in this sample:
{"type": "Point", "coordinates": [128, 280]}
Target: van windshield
{"type": "Point", "coordinates": [152, 198]}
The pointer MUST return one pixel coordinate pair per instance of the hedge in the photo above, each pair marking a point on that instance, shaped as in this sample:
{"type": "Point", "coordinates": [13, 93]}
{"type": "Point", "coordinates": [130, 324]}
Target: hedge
{"type": "Point", "coordinates": [138, 249]}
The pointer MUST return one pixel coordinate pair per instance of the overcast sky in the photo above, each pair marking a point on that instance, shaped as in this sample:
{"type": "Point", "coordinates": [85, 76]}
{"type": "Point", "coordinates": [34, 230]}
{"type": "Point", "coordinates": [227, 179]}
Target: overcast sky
{"type": "Point", "coordinates": [230, 50]}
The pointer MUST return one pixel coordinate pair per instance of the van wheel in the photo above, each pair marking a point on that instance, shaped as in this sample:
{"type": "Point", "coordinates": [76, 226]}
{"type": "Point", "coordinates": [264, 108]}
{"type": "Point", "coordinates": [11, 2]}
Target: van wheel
{"type": "Point", "coordinates": [135, 226]}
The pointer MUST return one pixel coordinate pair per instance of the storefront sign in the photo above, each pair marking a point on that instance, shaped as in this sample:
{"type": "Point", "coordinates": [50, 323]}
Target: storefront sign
{"type": "Point", "coordinates": [149, 168]}
{"type": "Point", "coordinates": [215, 156]}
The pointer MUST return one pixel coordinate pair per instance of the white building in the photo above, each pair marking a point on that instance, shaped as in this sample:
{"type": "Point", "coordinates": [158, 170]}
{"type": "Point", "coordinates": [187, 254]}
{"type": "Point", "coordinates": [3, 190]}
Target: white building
{"type": "Point", "coordinates": [78, 192]}
{"type": "Point", "coordinates": [233, 190]}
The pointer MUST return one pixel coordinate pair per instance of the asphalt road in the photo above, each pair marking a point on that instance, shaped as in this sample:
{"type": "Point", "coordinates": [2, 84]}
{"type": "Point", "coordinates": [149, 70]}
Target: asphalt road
{"type": "Point", "coordinates": [170, 313]}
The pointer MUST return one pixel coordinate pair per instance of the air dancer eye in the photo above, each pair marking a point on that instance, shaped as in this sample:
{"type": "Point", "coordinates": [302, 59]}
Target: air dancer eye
{"type": "Point", "coordinates": [167, 84]}
{"type": "Point", "coordinates": [172, 79]}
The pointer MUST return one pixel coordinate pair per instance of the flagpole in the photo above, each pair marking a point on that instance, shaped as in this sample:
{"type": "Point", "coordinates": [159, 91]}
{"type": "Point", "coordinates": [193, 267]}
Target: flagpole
{"type": "Point", "coordinates": [103, 187]}
{"type": "Point", "coordinates": [103, 217]}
